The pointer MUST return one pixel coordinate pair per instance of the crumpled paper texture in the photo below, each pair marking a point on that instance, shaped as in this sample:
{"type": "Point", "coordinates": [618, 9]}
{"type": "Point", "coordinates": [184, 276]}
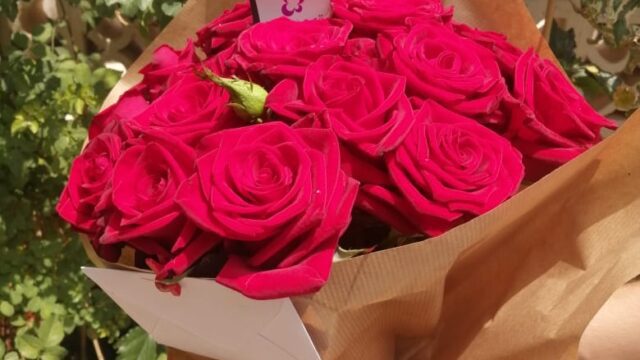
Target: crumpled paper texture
{"type": "Point", "coordinates": [521, 282]}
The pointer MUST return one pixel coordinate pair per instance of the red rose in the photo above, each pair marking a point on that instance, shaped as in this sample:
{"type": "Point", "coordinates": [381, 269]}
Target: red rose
{"type": "Point", "coordinates": [448, 169]}
{"type": "Point", "coordinates": [145, 180]}
{"type": "Point", "coordinates": [456, 72]}
{"type": "Point", "coordinates": [362, 50]}
{"type": "Point", "coordinates": [281, 48]}
{"type": "Point", "coordinates": [189, 110]}
{"type": "Point", "coordinates": [369, 17]}
{"type": "Point", "coordinates": [111, 253]}
{"type": "Point", "coordinates": [167, 66]}
{"type": "Point", "coordinates": [223, 31]}
{"type": "Point", "coordinates": [558, 124]}
{"type": "Point", "coordinates": [112, 119]}
{"type": "Point", "coordinates": [278, 196]}
{"type": "Point", "coordinates": [367, 109]}
{"type": "Point", "coordinates": [506, 54]}
{"type": "Point", "coordinates": [89, 185]}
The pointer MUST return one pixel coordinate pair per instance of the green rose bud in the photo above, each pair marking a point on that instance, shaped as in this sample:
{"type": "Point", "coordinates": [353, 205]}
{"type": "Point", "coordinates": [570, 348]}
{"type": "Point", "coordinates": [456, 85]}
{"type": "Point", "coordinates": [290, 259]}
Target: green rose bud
{"type": "Point", "coordinates": [247, 99]}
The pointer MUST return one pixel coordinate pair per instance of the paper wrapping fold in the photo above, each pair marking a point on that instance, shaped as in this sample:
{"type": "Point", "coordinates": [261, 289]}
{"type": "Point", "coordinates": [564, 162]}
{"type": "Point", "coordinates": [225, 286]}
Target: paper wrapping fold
{"type": "Point", "coordinates": [521, 282]}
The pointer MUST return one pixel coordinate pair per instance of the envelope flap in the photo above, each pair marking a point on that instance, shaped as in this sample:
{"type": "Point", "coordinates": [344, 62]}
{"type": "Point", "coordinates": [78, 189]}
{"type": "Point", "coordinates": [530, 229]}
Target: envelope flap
{"type": "Point", "coordinates": [209, 319]}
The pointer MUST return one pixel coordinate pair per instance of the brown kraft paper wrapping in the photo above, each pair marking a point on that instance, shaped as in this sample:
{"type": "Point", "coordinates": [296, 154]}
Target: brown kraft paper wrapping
{"type": "Point", "coordinates": [521, 282]}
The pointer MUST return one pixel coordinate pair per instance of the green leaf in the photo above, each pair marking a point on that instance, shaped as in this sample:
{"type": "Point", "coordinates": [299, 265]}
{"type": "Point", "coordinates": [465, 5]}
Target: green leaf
{"type": "Point", "coordinates": [79, 106]}
{"type": "Point", "coordinates": [137, 345]}
{"type": "Point", "coordinates": [20, 123]}
{"type": "Point", "coordinates": [145, 5]}
{"type": "Point", "coordinates": [51, 332]}
{"type": "Point", "coordinates": [20, 40]}
{"type": "Point", "coordinates": [590, 87]}
{"type": "Point", "coordinates": [344, 254]}
{"type": "Point", "coordinates": [43, 33]}
{"type": "Point", "coordinates": [30, 290]}
{"type": "Point", "coordinates": [12, 356]}
{"type": "Point", "coordinates": [39, 50]}
{"type": "Point", "coordinates": [3, 348]}
{"type": "Point", "coordinates": [563, 43]}
{"type": "Point", "coordinates": [54, 353]}
{"type": "Point", "coordinates": [10, 8]}
{"type": "Point", "coordinates": [171, 8]}
{"type": "Point", "coordinates": [620, 30]}
{"type": "Point", "coordinates": [19, 322]}
{"type": "Point", "coordinates": [69, 325]}
{"type": "Point", "coordinates": [129, 8]}
{"type": "Point", "coordinates": [6, 309]}
{"type": "Point", "coordinates": [34, 304]}
{"type": "Point", "coordinates": [29, 346]}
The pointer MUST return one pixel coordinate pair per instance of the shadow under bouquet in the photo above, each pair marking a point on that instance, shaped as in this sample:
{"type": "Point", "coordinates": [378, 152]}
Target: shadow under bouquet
{"type": "Point", "coordinates": [262, 154]}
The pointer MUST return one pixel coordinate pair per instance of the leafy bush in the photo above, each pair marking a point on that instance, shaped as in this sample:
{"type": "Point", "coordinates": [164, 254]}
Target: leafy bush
{"type": "Point", "coordinates": [48, 94]}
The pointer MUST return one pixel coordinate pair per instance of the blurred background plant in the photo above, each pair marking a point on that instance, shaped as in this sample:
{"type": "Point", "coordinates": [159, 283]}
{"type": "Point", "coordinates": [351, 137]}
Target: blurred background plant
{"type": "Point", "coordinates": [58, 60]}
{"type": "Point", "coordinates": [598, 44]}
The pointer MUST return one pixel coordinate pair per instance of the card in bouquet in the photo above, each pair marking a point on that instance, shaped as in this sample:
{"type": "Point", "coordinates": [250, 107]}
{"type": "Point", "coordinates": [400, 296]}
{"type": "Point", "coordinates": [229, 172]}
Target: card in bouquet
{"type": "Point", "coordinates": [520, 282]}
{"type": "Point", "coordinates": [265, 10]}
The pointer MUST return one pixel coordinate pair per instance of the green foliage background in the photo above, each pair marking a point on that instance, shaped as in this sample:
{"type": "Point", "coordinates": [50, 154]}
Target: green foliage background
{"type": "Point", "coordinates": [48, 93]}
{"type": "Point", "coordinates": [613, 22]}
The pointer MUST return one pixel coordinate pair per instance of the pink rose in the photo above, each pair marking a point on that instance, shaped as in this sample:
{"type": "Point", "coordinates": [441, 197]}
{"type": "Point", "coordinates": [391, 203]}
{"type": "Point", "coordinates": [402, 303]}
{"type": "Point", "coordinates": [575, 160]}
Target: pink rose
{"type": "Point", "coordinates": [456, 72]}
{"type": "Point", "coordinates": [282, 48]}
{"type": "Point", "coordinates": [367, 109]}
{"type": "Point", "coordinates": [223, 31]}
{"type": "Point", "coordinates": [369, 17]}
{"type": "Point", "coordinates": [449, 169]}
{"type": "Point", "coordinates": [279, 198]}
{"type": "Point", "coordinates": [89, 185]}
{"type": "Point", "coordinates": [145, 180]}
{"type": "Point", "coordinates": [557, 122]}
{"type": "Point", "coordinates": [189, 110]}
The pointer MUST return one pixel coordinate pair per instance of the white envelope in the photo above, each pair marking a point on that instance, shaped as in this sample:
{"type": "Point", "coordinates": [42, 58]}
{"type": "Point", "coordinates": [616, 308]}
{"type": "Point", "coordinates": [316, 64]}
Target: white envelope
{"type": "Point", "coordinates": [293, 9]}
{"type": "Point", "coordinates": [209, 319]}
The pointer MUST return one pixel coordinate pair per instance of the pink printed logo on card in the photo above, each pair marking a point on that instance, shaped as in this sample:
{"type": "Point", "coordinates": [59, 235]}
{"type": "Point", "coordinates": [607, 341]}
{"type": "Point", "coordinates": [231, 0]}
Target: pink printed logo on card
{"type": "Point", "coordinates": [265, 10]}
{"type": "Point", "coordinates": [291, 7]}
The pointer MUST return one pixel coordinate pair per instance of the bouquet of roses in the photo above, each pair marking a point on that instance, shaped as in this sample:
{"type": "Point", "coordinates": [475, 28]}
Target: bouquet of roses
{"type": "Point", "coordinates": [288, 140]}
{"type": "Point", "coordinates": [262, 154]}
